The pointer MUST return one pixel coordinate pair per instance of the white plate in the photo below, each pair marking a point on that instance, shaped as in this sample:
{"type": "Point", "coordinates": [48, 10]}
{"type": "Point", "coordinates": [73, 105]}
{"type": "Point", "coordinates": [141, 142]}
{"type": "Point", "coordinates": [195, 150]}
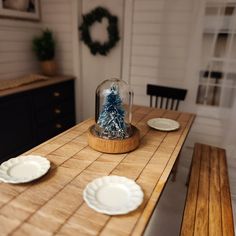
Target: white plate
{"type": "Point", "coordinates": [163, 124]}
{"type": "Point", "coordinates": [113, 195]}
{"type": "Point", "coordinates": [23, 169]}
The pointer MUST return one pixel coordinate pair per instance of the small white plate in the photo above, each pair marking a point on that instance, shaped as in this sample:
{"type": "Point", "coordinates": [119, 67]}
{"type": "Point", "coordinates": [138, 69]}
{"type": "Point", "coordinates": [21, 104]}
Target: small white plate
{"type": "Point", "coordinates": [113, 195]}
{"type": "Point", "coordinates": [163, 124]}
{"type": "Point", "coordinates": [23, 169]}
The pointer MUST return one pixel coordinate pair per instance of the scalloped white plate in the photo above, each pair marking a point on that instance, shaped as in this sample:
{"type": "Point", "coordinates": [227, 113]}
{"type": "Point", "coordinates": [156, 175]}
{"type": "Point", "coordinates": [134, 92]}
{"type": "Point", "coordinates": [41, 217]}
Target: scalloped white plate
{"type": "Point", "coordinates": [163, 124]}
{"type": "Point", "coordinates": [23, 169]}
{"type": "Point", "coordinates": [113, 195]}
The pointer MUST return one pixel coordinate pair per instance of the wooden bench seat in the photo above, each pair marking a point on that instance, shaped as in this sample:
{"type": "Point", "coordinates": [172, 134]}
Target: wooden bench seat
{"type": "Point", "coordinates": [208, 209]}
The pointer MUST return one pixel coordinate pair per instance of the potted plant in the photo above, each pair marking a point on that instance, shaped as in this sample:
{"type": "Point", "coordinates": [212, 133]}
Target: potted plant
{"type": "Point", "coordinates": [44, 47]}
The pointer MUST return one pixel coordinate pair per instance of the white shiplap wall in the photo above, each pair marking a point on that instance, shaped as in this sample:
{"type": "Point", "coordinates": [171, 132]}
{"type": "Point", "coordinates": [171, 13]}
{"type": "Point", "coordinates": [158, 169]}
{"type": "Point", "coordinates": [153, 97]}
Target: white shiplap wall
{"type": "Point", "coordinates": [57, 16]}
{"type": "Point", "coordinates": [97, 68]}
{"type": "Point", "coordinates": [160, 41]}
{"type": "Point", "coordinates": [16, 56]}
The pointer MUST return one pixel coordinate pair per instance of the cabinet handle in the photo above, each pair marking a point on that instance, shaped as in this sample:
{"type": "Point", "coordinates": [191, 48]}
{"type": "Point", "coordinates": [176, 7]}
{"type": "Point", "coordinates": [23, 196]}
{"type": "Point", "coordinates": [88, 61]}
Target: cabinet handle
{"type": "Point", "coordinates": [58, 126]}
{"type": "Point", "coordinates": [57, 111]}
{"type": "Point", "coordinates": [56, 94]}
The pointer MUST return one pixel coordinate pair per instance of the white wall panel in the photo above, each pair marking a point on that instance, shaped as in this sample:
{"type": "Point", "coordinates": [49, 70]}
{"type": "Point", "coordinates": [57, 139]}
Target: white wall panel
{"type": "Point", "coordinates": [60, 27]}
{"type": "Point", "coordinates": [145, 50]}
{"type": "Point", "coordinates": [145, 61]}
{"type": "Point", "coordinates": [174, 52]}
{"type": "Point", "coordinates": [144, 71]}
{"type": "Point", "coordinates": [146, 28]}
{"type": "Point", "coordinates": [18, 35]}
{"type": "Point", "coordinates": [140, 80]}
{"type": "Point", "coordinates": [57, 16]}
{"type": "Point", "coordinates": [54, 17]}
{"type": "Point", "coordinates": [148, 5]}
{"type": "Point", "coordinates": [16, 56]}
{"type": "Point", "coordinates": [181, 5]}
{"type": "Point", "coordinates": [174, 41]}
{"type": "Point", "coordinates": [173, 75]}
{"type": "Point", "coordinates": [97, 68]}
{"type": "Point", "coordinates": [64, 46]}
{"type": "Point", "coordinates": [17, 66]}
{"type": "Point", "coordinates": [176, 17]}
{"type": "Point", "coordinates": [62, 7]}
{"type": "Point", "coordinates": [175, 28]}
{"type": "Point", "coordinates": [147, 17]}
{"type": "Point", "coordinates": [171, 63]}
{"type": "Point", "coordinates": [8, 57]}
{"type": "Point", "coordinates": [159, 44]}
{"type": "Point", "coordinates": [8, 46]}
{"type": "Point", "coordinates": [153, 40]}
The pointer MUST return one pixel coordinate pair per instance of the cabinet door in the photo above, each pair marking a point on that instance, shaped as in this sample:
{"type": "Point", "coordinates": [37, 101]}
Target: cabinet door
{"type": "Point", "coordinates": [15, 125]}
{"type": "Point", "coordinates": [53, 109]}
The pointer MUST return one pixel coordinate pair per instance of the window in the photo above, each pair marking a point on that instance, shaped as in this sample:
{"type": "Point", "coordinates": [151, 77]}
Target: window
{"type": "Point", "coordinates": [217, 78]}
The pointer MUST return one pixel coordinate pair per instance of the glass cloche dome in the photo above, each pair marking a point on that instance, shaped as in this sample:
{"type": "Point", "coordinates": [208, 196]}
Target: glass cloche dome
{"type": "Point", "coordinates": [113, 113]}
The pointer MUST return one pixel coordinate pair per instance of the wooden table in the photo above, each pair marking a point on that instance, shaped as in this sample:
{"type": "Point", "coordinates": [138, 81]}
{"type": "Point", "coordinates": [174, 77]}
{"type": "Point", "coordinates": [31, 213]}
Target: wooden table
{"type": "Point", "coordinates": [54, 203]}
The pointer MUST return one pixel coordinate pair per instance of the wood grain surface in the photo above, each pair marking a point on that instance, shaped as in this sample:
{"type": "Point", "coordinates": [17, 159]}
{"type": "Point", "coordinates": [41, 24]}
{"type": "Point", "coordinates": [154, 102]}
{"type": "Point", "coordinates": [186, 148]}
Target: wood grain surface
{"type": "Point", "coordinates": [208, 209]}
{"type": "Point", "coordinates": [34, 85]}
{"type": "Point", "coordinates": [53, 205]}
{"type": "Point", "coordinates": [115, 145]}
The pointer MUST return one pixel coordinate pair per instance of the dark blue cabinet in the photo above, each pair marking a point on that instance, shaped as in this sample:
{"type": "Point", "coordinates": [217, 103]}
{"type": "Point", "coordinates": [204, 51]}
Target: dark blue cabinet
{"type": "Point", "coordinates": [31, 117]}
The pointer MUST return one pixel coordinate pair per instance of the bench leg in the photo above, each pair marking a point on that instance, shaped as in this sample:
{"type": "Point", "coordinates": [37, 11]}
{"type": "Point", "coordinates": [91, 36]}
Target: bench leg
{"type": "Point", "coordinates": [175, 169]}
{"type": "Point", "coordinates": [189, 173]}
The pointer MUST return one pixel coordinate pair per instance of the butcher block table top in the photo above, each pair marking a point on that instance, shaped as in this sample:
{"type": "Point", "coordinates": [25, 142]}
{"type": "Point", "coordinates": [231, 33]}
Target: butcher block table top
{"type": "Point", "coordinates": [54, 205]}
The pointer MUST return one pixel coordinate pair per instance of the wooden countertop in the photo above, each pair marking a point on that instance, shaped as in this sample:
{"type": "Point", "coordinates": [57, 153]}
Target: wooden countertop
{"type": "Point", "coordinates": [53, 205]}
{"type": "Point", "coordinates": [36, 84]}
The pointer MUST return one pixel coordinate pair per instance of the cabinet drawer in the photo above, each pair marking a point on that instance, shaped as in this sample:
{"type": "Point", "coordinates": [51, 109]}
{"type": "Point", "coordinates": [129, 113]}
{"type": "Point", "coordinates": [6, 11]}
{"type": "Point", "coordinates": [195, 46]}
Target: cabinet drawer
{"type": "Point", "coordinates": [54, 111]}
{"type": "Point", "coordinates": [49, 129]}
{"type": "Point", "coordinates": [53, 94]}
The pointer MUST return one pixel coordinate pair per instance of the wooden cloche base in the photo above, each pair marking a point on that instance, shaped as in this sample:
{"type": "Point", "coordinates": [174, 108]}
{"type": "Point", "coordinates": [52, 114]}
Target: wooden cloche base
{"type": "Point", "coordinates": [113, 146]}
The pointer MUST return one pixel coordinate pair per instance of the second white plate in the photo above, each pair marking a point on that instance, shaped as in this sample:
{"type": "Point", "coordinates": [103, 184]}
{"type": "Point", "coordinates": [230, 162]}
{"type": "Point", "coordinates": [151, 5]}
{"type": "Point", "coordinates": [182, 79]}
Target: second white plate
{"type": "Point", "coordinates": [163, 124]}
{"type": "Point", "coordinates": [113, 195]}
{"type": "Point", "coordinates": [23, 169]}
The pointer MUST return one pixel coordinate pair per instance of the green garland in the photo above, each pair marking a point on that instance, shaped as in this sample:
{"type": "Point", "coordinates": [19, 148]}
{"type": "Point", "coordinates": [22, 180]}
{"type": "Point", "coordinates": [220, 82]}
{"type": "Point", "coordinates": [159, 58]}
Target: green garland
{"type": "Point", "coordinates": [88, 20]}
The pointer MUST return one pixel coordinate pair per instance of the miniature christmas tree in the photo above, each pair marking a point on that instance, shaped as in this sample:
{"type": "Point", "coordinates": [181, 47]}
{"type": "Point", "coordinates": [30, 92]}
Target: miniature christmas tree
{"type": "Point", "coordinates": [112, 117]}
{"type": "Point", "coordinates": [113, 131]}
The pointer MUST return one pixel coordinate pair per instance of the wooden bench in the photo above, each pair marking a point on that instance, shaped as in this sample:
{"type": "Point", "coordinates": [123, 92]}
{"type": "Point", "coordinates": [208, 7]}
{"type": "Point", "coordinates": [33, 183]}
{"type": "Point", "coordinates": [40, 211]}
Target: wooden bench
{"type": "Point", "coordinates": [208, 209]}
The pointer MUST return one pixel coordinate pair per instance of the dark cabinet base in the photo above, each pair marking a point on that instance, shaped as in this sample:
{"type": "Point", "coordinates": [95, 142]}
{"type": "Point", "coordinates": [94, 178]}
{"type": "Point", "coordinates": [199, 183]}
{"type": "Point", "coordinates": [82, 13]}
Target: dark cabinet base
{"type": "Point", "coordinates": [31, 117]}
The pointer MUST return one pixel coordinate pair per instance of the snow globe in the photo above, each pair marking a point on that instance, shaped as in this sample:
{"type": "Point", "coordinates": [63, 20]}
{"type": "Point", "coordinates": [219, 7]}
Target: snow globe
{"type": "Point", "coordinates": [113, 131]}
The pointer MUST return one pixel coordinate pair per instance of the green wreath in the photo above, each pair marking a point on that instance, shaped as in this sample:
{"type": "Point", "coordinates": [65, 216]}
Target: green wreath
{"type": "Point", "coordinates": [88, 20]}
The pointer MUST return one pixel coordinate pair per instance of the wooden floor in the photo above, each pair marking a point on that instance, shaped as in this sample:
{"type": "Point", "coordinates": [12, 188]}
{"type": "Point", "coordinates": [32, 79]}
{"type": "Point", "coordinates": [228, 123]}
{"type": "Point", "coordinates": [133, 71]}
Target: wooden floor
{"type": "Point", "coordinates": [170, 207]}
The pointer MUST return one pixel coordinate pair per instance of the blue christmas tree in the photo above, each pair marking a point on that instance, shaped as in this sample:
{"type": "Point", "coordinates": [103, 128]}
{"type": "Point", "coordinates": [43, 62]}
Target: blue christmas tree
{"type": "Point", "coordinates": [112, 117]}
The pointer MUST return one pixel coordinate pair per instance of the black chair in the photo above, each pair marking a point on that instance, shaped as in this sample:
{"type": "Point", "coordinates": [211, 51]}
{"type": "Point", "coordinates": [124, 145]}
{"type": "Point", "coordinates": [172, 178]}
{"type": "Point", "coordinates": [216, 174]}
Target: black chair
{"type": "Point", "coordinates": [168, 98]}
{"type": "Point", "coordinates": [165, 97]}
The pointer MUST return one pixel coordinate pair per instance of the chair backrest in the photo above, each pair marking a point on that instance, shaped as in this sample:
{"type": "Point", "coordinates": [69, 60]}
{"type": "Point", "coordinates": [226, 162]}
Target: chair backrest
{"type": "Point", "coordinates": [165, 97]}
